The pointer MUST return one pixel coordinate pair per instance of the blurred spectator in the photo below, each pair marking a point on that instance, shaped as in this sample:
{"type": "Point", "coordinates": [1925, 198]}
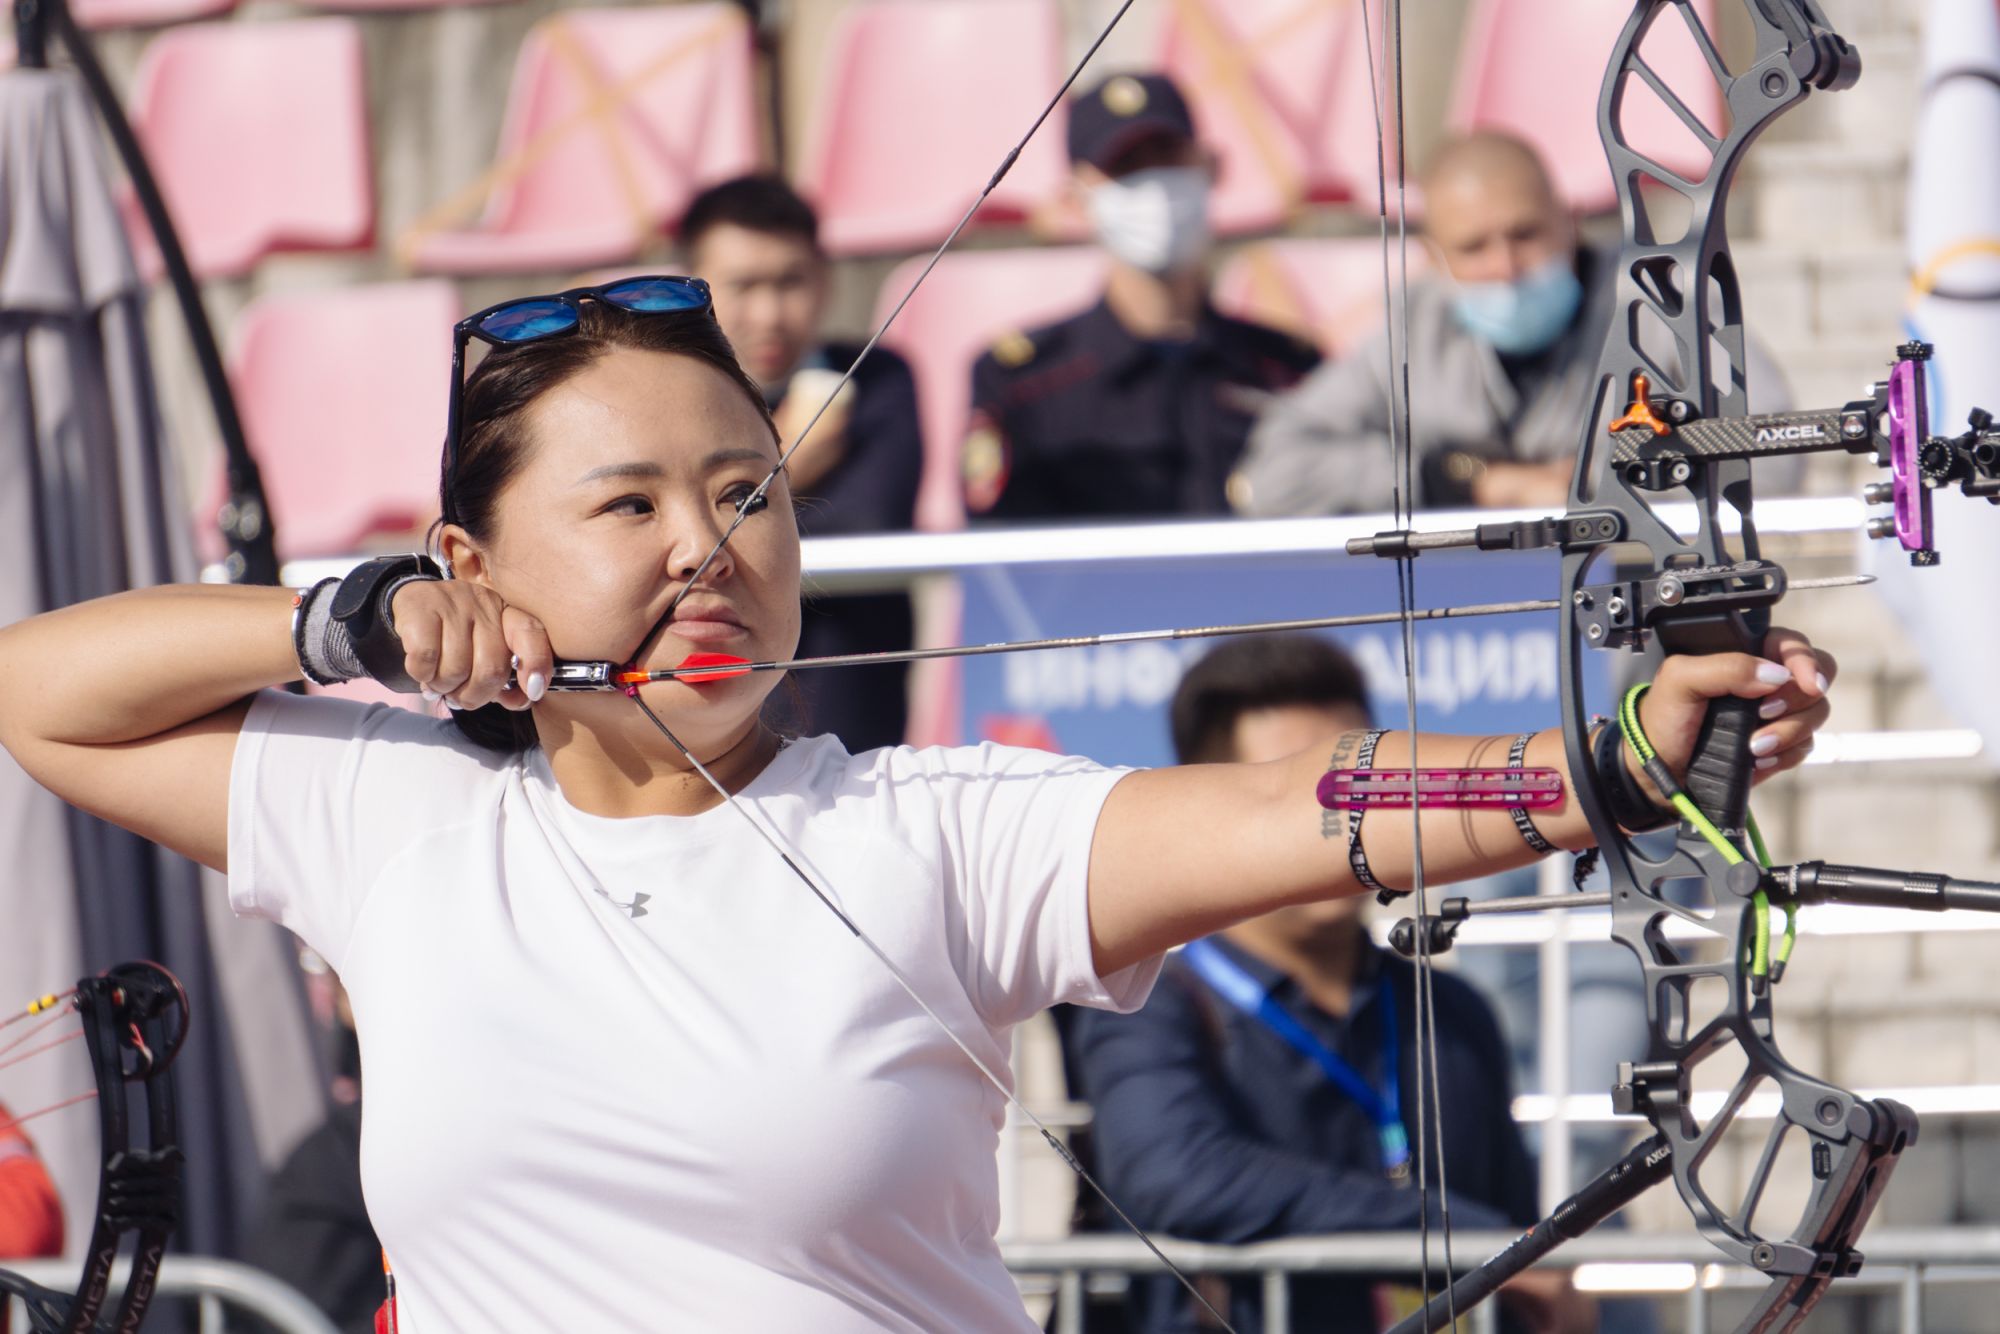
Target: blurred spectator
{"type": "Point", "coordinates": [31, 1216]}
{"type": "Point", "coordinates": [314, 1233]}
{"type": "Point", "coordinates": [1140, 405]}
{"type": "Point", "coordinates": [1217, 1122]}
{"type": "Point", "coordinates": [1503, 349]}
{"type": "Point", "coordinates": [757, 243]}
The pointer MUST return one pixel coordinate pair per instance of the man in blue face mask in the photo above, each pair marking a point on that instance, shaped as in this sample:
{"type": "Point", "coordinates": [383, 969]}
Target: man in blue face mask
{"type": "Point", "coordinates": [1504, 337]}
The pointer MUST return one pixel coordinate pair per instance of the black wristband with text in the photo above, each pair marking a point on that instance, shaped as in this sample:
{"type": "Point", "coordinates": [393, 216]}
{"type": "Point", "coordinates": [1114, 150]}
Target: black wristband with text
{"type": "Point", "coordinates": [361, 608]}
{"type": "Point", "coordinates": [1627, 801]}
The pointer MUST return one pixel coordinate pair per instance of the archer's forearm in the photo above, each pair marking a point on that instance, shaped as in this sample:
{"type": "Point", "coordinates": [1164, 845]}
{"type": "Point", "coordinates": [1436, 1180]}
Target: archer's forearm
{"type": "Point", "coordinates": [1458, 844]}
{"type": "Point", "coordinates": [135, 665]}
{"type": "Point", "coordinates": [1182, 852]}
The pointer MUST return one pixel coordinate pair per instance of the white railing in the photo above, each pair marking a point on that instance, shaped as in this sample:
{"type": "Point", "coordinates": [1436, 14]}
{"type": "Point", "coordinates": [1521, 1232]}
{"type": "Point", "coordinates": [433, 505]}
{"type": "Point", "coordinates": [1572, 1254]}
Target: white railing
{"type": "Point", "coordinates": [895, 560]}
{"type": "Point", "coordinates": [1671, 1267]}
{"type": "Point", "coordinates": [215, 1286]}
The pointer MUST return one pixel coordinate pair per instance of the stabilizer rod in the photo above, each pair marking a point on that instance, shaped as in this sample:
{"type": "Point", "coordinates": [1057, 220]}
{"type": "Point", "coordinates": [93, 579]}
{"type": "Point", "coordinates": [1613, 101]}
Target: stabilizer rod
{"type": "Point", "coordinates": [1824, 882]}
{"type": "Point", "coordinates": [1646, 1165]}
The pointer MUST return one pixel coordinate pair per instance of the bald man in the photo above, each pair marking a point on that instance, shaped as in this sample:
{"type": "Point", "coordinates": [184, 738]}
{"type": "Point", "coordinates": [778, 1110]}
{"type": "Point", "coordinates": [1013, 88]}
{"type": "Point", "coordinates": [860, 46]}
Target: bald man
{"type": "Point", "coordinates": [1504, 338]}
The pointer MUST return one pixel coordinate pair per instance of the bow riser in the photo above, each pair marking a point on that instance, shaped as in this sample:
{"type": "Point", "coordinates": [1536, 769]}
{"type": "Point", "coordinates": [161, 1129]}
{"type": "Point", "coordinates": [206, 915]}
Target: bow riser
{"type": "Point", "coordinates": [1715, 600]}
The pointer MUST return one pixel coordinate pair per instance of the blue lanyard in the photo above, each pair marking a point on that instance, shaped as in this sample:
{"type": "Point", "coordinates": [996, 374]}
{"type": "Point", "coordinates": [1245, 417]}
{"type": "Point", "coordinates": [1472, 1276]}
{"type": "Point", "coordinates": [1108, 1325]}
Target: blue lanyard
{"type": "Point", "coordinates": [1233, 984]}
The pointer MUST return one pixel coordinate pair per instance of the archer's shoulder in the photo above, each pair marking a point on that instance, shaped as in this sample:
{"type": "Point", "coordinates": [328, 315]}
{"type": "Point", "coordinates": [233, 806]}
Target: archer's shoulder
{"type": "Point", "coordinates": [986, 761]}
{"type": "Point", "coordinates": [304, 721]}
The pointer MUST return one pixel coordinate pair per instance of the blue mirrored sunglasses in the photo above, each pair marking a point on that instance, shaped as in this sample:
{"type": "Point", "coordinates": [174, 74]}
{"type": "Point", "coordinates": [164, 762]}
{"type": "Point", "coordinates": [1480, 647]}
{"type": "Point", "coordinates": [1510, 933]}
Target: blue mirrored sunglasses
{"type": "Point", "coordinates": [528, 319]}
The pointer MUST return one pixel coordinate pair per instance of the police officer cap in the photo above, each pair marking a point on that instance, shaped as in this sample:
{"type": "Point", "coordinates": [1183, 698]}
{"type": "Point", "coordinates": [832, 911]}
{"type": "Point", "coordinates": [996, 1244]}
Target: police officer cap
{"type": "Point", "coordinates": [1121, 111]}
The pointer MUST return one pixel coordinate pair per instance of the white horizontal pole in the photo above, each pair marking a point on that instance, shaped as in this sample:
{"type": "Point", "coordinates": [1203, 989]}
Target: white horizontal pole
{"type": "Point", "coordinates": [1595, 1108]}
{"type": "Point", "coordinates": [898, 557]}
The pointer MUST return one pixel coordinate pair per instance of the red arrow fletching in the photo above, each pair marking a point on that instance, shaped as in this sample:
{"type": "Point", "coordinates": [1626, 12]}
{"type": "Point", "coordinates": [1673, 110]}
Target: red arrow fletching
{"type": "Point", "coordinates": [714, 660]}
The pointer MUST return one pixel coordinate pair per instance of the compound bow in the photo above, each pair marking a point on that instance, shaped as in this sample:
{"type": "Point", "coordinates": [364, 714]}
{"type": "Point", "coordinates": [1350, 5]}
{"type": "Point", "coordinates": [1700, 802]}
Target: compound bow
{"type": "Point", "coordinates": [1672, 426]}
{"type": "Point", "coordinates": [135, 1018]}
{"type": "Point", "coordinates": [1662, 425]}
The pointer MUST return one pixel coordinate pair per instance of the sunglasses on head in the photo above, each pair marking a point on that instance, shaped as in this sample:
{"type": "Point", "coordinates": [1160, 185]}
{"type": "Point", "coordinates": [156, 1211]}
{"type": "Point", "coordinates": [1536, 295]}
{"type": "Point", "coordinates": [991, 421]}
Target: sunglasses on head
{"type": "Point", "coordinates": [530, 319]}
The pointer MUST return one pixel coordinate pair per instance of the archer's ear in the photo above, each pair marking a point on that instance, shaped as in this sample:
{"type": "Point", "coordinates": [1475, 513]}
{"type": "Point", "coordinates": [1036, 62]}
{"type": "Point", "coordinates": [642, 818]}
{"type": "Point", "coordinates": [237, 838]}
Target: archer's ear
{"type": "Point", "coordinates": [461, 556]}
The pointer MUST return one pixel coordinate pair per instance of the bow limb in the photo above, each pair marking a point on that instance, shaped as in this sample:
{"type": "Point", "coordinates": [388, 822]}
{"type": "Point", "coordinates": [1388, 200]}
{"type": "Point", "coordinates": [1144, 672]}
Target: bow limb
{"type": "Point", "coordinates": [134, 1020]}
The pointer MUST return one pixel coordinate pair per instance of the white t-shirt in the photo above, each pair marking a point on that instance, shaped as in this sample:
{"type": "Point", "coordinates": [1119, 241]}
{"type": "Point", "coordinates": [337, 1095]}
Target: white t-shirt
{"type": "Point", "coordinates": [629, 1074]}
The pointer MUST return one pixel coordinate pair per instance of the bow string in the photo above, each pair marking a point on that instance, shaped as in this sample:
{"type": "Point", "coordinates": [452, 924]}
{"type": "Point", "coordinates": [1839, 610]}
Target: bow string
{"type": "Point", "coordinates": [750, 505]}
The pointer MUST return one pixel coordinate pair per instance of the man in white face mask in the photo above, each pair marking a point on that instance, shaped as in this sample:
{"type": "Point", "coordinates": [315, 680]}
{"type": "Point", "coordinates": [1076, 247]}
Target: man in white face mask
{"type": "Point", "coordinates": [1140, 405]}
{"type": "Point", "coordinates": [1504, 339]}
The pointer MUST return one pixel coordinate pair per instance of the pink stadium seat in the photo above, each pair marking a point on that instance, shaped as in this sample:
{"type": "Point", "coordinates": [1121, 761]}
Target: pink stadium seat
{"type": "Point", "coordinates": [144, 13]}
{"type": "Point", "coordinates": [615, 118]}
{"type": "Point", "coordinates": [970, 299]}
{"type": "Point", "coordinates": [1325, 289]}
{"type": "Point", "coordinates": [343, 396]}
{"type": "Point", "coordinates": [1534, 67]}
{"type": "Point", "coordinates": [917, 102]}
{"type": "Point", "coordinates": [1281, 89]}
{"type": "Point", "coordinates": [372, 6]}
{"type": "Point", "coordinates": [258, 134]}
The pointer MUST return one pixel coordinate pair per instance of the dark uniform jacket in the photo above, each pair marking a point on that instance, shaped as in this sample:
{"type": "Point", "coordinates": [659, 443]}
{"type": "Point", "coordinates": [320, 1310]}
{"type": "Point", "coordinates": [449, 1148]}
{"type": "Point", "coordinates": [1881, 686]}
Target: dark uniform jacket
{"type": "Point", "coordinates": [873, 489]}
{"type": "Point", "coordinates": [315, 1233]}
{"type": "Point", "coordinates": [1210, 1127]}
{"type": "Point", "coordinates": [1081, 420]}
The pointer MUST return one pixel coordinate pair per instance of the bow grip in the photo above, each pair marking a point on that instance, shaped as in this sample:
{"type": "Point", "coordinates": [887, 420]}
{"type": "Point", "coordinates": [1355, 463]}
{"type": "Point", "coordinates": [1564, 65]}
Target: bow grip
{"type": "Point", "coordinates": [1718, 773]}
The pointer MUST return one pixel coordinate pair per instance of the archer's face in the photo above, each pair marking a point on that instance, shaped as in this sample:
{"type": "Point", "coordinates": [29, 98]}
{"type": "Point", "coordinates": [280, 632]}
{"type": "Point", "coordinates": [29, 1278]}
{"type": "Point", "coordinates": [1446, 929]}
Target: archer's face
{"type": "Point", "coordinates": [634, 468]}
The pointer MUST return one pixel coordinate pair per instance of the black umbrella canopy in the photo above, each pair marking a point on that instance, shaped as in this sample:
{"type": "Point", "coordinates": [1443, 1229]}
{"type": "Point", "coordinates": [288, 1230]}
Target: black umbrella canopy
{"type": "Point", "coordinates": [90, 505]}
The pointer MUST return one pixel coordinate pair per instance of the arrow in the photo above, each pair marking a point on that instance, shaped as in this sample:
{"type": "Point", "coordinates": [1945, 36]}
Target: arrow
{"type": "Point", "coordinates": [699, 668]}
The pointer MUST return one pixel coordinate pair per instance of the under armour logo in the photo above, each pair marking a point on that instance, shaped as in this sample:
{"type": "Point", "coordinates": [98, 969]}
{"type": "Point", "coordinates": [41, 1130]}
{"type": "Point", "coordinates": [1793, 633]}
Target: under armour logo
{"type": "Point", "coordinates": [636, 907]}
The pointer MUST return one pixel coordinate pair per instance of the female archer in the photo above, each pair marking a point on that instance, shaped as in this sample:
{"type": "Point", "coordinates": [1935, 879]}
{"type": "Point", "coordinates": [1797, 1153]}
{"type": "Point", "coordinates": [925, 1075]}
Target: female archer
{"type": "Point", "coordinates": [623, 1072]}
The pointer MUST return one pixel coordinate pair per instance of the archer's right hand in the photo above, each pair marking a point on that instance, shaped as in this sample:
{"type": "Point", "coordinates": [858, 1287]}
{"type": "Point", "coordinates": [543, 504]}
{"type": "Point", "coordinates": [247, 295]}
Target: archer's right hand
{"type": "Point", "coordinates": [463, 644]}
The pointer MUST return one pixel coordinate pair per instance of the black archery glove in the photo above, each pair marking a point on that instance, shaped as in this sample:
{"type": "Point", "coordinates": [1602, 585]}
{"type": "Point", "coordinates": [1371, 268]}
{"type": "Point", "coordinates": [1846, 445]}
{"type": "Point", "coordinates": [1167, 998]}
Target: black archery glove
{"type": "Point", "coordinates": [360, 612]}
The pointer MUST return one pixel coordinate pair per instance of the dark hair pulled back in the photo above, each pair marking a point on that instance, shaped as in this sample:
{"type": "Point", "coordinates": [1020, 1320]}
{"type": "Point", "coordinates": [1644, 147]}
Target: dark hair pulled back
{"type": "Point", "coordinates": [493, 439]}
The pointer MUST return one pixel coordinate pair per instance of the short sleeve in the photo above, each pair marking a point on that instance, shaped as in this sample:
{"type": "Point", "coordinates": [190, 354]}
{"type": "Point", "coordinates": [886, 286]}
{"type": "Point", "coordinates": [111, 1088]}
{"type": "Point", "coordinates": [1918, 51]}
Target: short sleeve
{"type": "Point", "coordinates": [1017, 827]}
{"type": "Point", "coordinates": [324, 793]}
